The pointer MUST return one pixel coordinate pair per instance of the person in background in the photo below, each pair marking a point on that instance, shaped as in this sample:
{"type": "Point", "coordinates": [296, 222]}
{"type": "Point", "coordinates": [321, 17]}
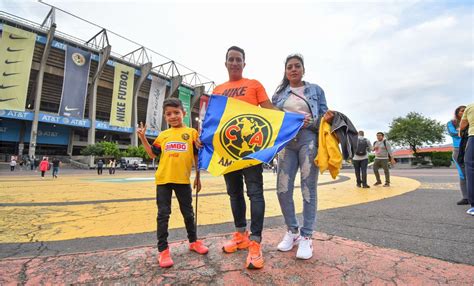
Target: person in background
{"type": "Point", "coordinates": [467, 121]}
{"type": "Point", "coordinates": [44, 166]}
{"type": "Point", "coordinates": [453, 130]}
{"type": "Point", "coordinates": [100, 167]}
{"type": "Point", "coordinates": [361, 160]}
{"type": "Point", "coordinates": [383, 153]}
{"type": "Point", "coordinates": [12, 163]}
{"type": "Point", "coordinates": [56, 165]}
{"type": "Point", "coordinates": [112, 165]}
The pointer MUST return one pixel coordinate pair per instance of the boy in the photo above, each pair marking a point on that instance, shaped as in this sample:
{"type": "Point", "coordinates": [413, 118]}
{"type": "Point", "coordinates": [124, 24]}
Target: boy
{"type": "Point", "coordinates": [175, 146]}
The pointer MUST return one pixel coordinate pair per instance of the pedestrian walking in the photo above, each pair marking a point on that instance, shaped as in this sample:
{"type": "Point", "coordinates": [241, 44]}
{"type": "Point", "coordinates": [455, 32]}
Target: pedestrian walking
{"type": "Point", "coordinates": [383, 155]}
{"type": "Point", "coordinates": [361, 160]}
{"type": "Point", "coordinates": [112, 166]}
{"type": "Point", "coordinates": [12, 163]}
{"type": "Point", "coordinates": [56, 165]}
{"type": "Point", "coordinates": [100, 167]}
{"type": "Point", "coordinates": [44, 166]}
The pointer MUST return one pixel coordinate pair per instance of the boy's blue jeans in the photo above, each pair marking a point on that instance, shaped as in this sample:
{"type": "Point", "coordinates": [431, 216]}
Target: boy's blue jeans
{"type": "Point", "coordinates": [299, 153]}
{"type": "Point", "coordinates": [235, 189]}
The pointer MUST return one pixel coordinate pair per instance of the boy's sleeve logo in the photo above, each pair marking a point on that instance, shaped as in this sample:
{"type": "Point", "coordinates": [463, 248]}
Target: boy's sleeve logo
{"type": "Point", "coordinates": [185, 136]}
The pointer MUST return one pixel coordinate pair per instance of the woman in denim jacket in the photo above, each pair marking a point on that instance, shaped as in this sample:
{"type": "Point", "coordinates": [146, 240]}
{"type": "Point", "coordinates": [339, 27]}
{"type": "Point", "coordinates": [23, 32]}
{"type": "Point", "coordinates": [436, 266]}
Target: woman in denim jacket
{"type": "Point", "coordinates": [296, 95]}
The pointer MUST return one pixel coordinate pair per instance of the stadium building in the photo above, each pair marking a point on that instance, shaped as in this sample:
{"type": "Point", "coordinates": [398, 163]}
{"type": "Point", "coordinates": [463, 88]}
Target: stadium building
{"type": "Point", "coordinates": [59, 94]}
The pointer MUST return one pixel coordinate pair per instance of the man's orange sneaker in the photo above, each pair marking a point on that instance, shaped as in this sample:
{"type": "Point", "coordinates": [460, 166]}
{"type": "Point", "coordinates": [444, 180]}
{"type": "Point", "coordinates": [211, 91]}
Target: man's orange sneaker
{"type": "Point", "coordinates": [239, 241]}
{"type": "Point", "coordinates": [164, 259]}
{"type": "Point", "coordinates": [198, 247]}
{"type": "Point", "coordinates": [255, 257]}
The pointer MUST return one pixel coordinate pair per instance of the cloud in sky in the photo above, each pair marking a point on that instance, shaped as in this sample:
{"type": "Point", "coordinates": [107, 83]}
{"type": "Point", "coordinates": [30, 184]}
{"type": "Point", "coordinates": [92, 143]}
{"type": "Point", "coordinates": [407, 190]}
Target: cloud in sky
{"type": "Point", "coordinates": [375, 61]}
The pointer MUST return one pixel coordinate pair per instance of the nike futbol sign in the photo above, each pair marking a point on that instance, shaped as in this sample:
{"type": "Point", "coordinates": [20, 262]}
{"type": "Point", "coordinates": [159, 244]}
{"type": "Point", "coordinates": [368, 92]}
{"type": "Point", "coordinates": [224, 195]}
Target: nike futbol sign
{"type": "Point", "coordinates": [16, 53]}
{"type": "Point", "coordinates": [76, 79]}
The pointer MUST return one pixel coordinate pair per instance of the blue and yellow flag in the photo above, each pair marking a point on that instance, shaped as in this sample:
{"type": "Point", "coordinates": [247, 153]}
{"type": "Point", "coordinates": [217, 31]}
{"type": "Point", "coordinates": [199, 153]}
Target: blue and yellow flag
{"type": "Point", "coordinates": [236, 135]}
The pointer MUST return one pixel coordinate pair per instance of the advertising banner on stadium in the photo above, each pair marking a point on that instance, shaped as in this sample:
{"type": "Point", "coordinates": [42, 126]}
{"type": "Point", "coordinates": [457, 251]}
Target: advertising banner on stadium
{"type": "Point", "coordinates": [16, 55]}
{"type": "Point", "coordinates": [76, 78]}
{"type": "Point", "coordinates": [121, 110]}
{"type": "Point", "coordinates": [185, 97]}
{"type": "Point", "coordinates": [154, 113]}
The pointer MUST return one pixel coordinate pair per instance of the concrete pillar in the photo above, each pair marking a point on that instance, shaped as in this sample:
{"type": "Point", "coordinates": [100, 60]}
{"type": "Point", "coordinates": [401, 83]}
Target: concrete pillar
{"type": "Point", "coordinates": [39, 87]}
{"type": "Point", "coordinates": [174, 84]}
{"type": "Point", "coordinates": [145, 70]}
{"type": "Point", "coordinates": [103, 57]}
{"type": "Point", "coordinates": [198, 92]}
{"type": "Point", "coordinates": [70, 145]}
{"type": "Point", "coordinates": [21, 141]}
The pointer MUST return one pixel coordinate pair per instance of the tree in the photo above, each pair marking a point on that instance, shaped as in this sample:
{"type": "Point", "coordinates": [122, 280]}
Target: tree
{"type": "Point", "coordinates": [110, 149]}
{"type": "Point", "coordinates": [102, 149]}
{"type": "Point", "coordinates": [415, 130]}
{"type": "Point", "coordinates": [136, 152]}
{"type": "Point", "coordinates": [94, 150]}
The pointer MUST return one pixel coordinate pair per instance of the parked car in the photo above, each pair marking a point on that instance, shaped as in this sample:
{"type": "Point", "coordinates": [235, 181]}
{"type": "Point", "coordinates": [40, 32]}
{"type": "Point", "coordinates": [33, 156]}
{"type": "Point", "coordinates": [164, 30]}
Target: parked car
{"type": "Point", "coordinates": [136, 166]}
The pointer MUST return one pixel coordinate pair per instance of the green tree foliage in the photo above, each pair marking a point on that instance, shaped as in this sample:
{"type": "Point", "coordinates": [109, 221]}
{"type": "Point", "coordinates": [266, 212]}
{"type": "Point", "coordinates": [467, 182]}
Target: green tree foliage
{"type": "Point", "coordinates": [415, 130]}
{"type": "Point", "coordinates": [136, 152]}
{"type": "Point", "coordinates": [108, 149]}
{"type": "Point", "coordinates": [441, 159]}
{"type": "Point", "coordinates": [94, 150]}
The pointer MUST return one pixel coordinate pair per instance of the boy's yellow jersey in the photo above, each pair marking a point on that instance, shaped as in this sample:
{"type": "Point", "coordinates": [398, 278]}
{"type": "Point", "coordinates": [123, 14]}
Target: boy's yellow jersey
{"type": "Point", "coordinates": [177, 155]}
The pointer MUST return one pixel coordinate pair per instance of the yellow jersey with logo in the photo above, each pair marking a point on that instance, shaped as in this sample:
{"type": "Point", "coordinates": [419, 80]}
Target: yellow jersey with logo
{"type": "Point", "coordinates": [177, 156]}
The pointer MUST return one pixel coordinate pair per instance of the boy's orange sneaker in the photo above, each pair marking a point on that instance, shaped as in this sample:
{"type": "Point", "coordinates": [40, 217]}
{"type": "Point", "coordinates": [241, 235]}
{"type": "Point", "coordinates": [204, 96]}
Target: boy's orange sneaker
{"type": "Point", "coordinates": [239, 241]}
{"type": "Point", "coordinates": [255, 257]}
{"type": "Point", "coordinates": [198, 247]}
{"type": "Point", "coordinates": [164, 259]}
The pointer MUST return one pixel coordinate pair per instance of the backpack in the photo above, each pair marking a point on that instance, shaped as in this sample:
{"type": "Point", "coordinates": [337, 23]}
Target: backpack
{"type": "Point", "coordinates": [362, 147]}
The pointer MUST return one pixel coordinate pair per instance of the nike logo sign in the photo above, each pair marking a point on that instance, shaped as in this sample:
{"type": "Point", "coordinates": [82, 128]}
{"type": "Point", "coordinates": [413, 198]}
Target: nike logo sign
{"type": "Point", "coordinates": [11, 62]}
{"type": "Point", "coordinates": [14, 37]}
{"type": "Point", "coordinates": [9, 74]}
{"type": "Point", "coordinates": [13, 50]}
{"type": "Point", "coordinates": [2, 100]}
{"type": "Point", "coordinates": [70, 109]}
{"type": "Point", "coordinates": [6, 86]}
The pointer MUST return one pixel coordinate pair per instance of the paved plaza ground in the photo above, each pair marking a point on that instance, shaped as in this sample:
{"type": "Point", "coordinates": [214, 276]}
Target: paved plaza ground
{"type": "Point", "coordinates": [85, 228]}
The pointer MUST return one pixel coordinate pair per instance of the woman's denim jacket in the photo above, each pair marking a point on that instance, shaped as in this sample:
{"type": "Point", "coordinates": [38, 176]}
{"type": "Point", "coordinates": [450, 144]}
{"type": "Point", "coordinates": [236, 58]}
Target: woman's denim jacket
{"type": "Point", "coordinates": [314, 95]}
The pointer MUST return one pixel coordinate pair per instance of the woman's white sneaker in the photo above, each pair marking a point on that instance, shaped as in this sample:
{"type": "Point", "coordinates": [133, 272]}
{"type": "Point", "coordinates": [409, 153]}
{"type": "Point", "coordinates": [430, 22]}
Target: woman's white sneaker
{"type": "Point", "coordinates": [289, 241]}
{"type": "Point", "coordinates": [305, 248]}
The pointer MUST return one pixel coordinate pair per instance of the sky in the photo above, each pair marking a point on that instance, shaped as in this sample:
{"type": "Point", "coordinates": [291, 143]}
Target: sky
{"type": "Point", "coordinates": [375, 60]}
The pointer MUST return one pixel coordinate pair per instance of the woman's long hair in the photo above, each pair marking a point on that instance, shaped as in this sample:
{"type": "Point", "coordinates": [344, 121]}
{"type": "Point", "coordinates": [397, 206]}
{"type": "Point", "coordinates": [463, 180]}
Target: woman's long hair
{"type": "Point", "coordinates": [285, 82]}
{"type": "Point", "coordinates": [456, 119]}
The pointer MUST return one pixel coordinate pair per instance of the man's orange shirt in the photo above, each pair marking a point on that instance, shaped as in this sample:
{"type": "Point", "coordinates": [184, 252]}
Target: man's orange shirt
{"type": "Point", "coordinates": [248, 90]}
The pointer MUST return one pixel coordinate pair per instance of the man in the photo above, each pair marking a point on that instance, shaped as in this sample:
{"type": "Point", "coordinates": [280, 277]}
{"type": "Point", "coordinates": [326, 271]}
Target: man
{"type": "Point", "coordinates": [467, 121]}
{"type": "Point", "coordinates": [383, 152]}
{"type": "Point", "coordinates": [361, 160]}
{"type": "Point", "coordinates": [250, 91]}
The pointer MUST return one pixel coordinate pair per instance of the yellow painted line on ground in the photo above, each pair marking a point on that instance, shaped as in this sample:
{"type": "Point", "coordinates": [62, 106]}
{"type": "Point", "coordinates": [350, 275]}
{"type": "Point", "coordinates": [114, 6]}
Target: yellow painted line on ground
{"type": "Point", "coordinates": [62, 222]}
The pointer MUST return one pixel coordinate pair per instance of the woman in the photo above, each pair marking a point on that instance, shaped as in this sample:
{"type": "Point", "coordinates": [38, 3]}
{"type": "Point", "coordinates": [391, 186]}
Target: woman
{"type": "Point", "coordinates": [44, 166]}
{"type": "Point", "coordinates": [453, 129]}
{"type": "Point", "coordinates": [296, 95]}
